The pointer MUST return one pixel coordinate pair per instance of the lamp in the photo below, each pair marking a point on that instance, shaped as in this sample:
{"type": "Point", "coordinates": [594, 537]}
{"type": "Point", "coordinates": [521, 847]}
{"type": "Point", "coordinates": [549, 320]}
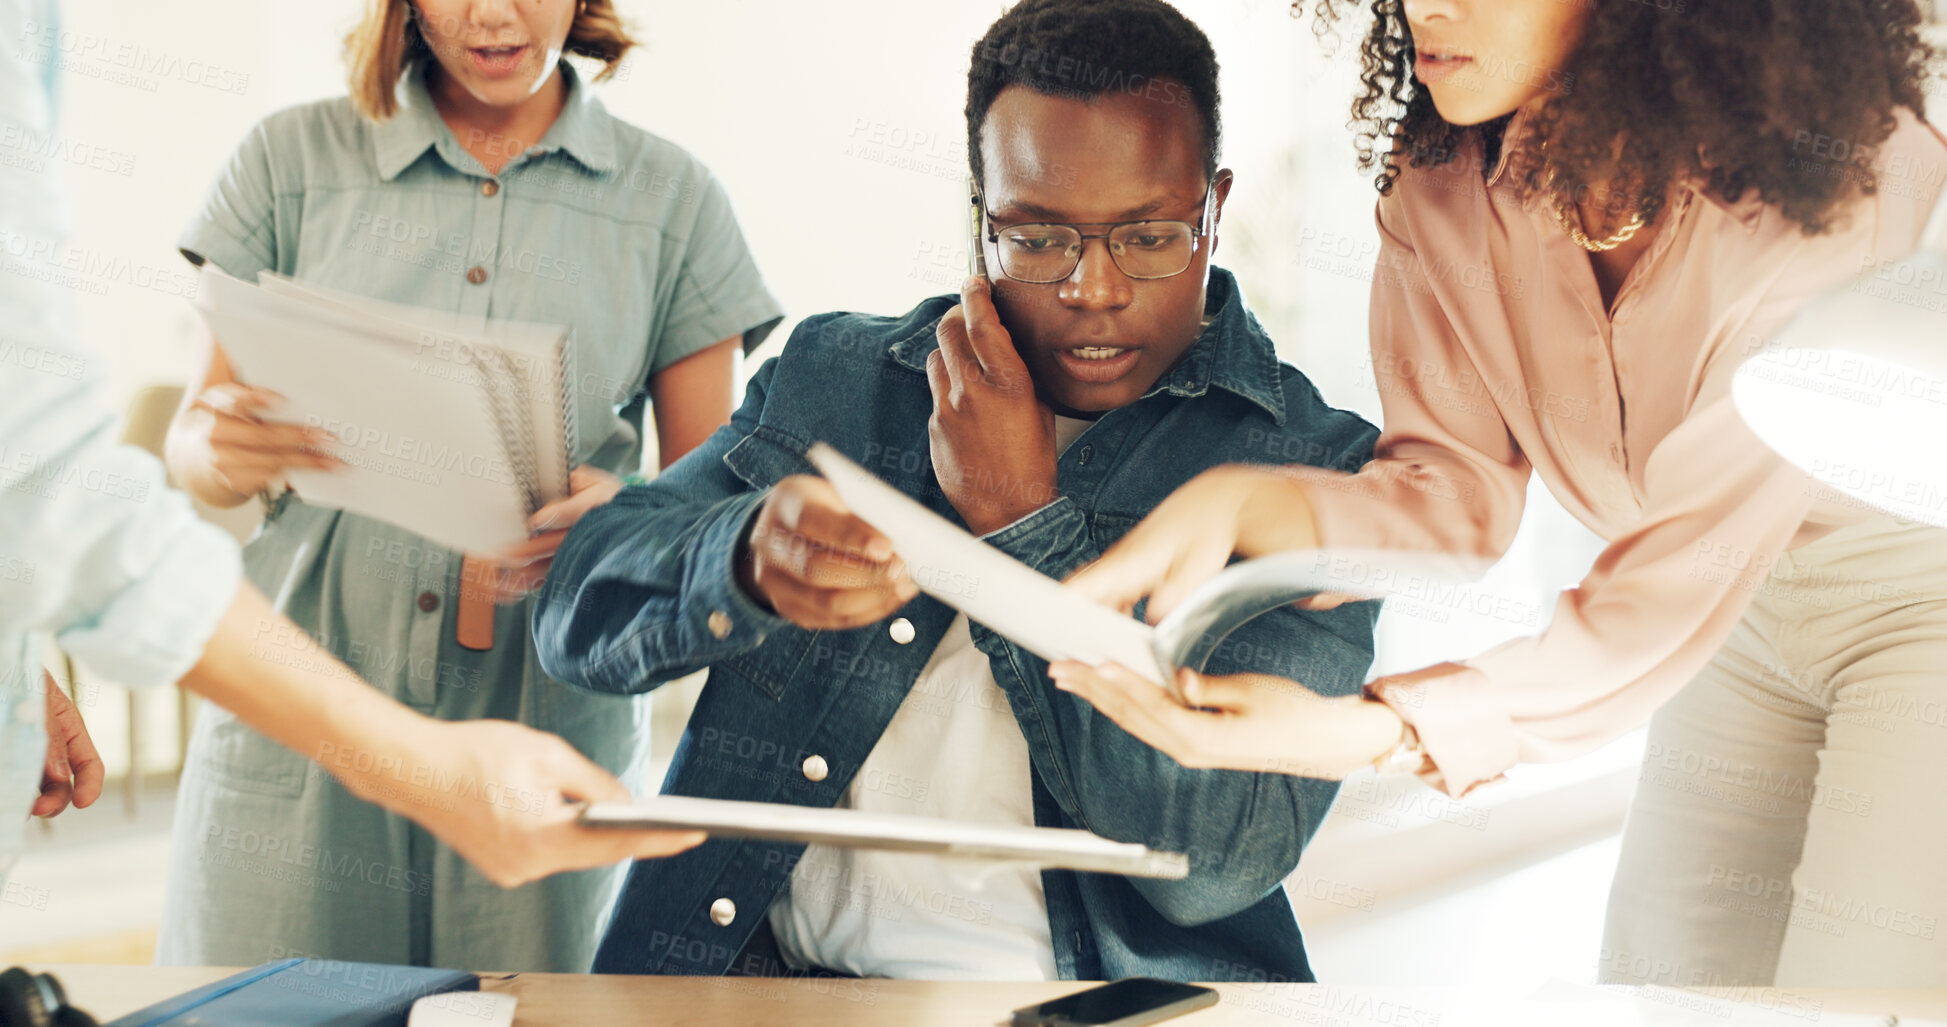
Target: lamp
{"type": "Point", "coordinates": [1854, 389]}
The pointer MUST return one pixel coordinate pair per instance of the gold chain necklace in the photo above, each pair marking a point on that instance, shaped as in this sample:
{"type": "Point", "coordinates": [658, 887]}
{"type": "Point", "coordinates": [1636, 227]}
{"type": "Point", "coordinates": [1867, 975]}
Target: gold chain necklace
{"type": "Point", "coordinates": [1575, 232]}
{"type": "Point", "coordinates": [1573, 226]}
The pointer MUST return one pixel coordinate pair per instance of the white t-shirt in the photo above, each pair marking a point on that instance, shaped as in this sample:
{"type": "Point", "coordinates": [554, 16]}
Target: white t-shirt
{"type": "Point", "coordinates": [952, 750]}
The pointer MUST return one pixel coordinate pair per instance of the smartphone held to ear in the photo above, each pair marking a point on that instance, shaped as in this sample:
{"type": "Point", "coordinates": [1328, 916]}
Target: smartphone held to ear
{"type": "Point", "coordinates": [976, 253]}
{"type": "Point", "coordinates": [1125, 1003]}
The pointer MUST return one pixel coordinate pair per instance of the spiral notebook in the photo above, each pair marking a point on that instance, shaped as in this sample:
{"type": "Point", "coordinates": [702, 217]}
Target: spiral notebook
{"type": "Point", "coordinates": [451, 426]}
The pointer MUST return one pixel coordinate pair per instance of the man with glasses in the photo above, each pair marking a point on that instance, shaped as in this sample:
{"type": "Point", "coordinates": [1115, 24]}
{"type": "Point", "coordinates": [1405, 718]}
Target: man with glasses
{"type": "Point", "coordinates": [1106, 363]}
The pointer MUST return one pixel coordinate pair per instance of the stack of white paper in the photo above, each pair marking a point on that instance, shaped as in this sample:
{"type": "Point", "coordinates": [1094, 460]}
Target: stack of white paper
{"type": "Point", "coordinates": [452, 427]}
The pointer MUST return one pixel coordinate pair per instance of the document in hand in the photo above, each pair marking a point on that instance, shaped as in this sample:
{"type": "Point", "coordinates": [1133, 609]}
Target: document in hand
{"type": "Point", "coordinates": [1057, 623]}
{"type": "Point", "coordinates": [857, 829]}
{"type": "Point", "coordinates": [451, 426]}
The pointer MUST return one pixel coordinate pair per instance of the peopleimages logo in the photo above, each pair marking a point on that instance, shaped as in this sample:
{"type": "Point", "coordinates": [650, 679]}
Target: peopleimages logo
{"type": "Point", "coordinates": [406, 457]}
{"type": "Point", "coordinates": [1084, 74]}
{"type": "Point", "coordinates": [126, 63]}
{"type": "Point", "coordinates": [26, 142]}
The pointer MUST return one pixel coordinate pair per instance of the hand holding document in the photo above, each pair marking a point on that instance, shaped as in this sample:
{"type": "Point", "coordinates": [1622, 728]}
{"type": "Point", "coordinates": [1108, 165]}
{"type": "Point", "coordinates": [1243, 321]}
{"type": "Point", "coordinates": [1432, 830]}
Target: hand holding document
{"type": "Point", "coordinates": [1058, 623]}
{"type": "Point", "coordinates": [456, 428]}
{"type": "Point", "coordinates": [816, 564]}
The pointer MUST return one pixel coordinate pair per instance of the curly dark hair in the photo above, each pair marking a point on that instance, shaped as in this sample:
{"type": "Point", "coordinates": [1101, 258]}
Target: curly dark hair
{"type": "Point", "coordinates": [1088, 48]}
{"type": "Point", "coordinates": [1742, 94]}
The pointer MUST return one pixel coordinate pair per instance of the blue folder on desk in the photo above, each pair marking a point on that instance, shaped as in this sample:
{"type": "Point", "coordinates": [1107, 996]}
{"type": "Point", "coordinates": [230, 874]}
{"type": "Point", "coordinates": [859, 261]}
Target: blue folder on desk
{"type": "Point", "coordinates": [305, 993]}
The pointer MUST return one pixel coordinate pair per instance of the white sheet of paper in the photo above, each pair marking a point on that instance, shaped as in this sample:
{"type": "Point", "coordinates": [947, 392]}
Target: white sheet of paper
{"type": "Point", "coordinates": [989, 586]}
{"type": "Point", "coordinates": [1058, 623]}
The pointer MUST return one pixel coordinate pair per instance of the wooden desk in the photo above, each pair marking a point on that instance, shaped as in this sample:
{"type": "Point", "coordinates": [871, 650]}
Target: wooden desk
{"type": "Point", "coordinates": [574, 1000]}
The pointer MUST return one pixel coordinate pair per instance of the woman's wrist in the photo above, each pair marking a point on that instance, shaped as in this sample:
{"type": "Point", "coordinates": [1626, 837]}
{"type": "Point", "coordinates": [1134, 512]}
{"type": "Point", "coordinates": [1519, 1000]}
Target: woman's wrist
{"type": "Point", "coordinates": [366, 739]}
{"type": "Point", "coordinates": [1409, 754]}
{"type": "Point", "coordinates": [1403, 754]}
{"type": "Point", "coordinates": [210, 487]}
{"type": "Point", "coordinates": [1275, 515]}
{"type": "Point", "coordinates": [387, 759]}
{"type": "Point", "coordinates": [192, 465]}
{"type": "Point", "coordinates": [1375, 731]}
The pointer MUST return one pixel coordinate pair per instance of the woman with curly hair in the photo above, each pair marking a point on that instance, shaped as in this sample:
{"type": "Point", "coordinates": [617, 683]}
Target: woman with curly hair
{"type": "Point", "coordinates": [1591, 213]}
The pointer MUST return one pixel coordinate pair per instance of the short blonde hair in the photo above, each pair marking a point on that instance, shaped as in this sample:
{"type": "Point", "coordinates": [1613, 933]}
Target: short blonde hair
{"type": "Point", "coordinates": [387, 42]}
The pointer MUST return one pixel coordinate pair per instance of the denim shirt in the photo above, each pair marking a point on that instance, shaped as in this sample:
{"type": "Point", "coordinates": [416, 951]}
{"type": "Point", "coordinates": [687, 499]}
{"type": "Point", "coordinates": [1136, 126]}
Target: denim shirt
{"type": "Point", "coordinates": [644, 591]}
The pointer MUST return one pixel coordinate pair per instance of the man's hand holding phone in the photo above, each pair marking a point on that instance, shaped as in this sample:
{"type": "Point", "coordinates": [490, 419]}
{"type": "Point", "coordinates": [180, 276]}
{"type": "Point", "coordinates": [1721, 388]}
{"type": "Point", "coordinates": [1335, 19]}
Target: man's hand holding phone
{"type": "Point", "coordinates": [993, 440]}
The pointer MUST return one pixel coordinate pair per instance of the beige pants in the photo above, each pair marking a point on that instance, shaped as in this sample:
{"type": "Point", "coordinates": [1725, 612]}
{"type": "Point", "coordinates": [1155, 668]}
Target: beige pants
{"type": "Point", "coordinates": [1790, 822]}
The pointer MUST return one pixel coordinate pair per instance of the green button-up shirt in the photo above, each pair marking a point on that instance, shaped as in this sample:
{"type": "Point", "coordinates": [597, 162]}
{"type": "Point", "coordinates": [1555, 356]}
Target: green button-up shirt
{"type": "Point", "coordinates": [600, 226]}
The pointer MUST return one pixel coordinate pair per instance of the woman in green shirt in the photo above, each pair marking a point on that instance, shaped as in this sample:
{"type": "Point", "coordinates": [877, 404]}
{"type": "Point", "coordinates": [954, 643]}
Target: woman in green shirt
{"type": "Point", "coordinates": [471, 171]}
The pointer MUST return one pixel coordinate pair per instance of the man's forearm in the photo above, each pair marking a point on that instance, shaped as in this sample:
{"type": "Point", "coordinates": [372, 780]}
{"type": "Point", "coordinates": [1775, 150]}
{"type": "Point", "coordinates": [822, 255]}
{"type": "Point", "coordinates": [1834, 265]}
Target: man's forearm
{"type": "Point", "coordinates": [671, 604]}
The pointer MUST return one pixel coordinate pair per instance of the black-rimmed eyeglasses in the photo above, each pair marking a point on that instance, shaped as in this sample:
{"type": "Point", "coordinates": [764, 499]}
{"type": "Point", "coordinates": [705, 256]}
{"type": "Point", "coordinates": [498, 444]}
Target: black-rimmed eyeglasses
{"type": "Point", "coordinates": [1044, 252]}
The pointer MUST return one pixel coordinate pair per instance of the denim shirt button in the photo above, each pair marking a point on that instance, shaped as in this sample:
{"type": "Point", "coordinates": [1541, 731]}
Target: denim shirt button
{"type": "Point", "coordinates": [815, 768]}
{"type": "Point", "coordinates": [719, 622]}
{"type": "Point", "coordinates": [901, 630]}
{"type": "Point", "coordinates": [723, 912]}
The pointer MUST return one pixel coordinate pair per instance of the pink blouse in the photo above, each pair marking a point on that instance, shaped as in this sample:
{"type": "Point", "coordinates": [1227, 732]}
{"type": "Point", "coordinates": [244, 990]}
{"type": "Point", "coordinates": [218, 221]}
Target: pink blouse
{"type": "Point", "coordinates": [1494, 356]}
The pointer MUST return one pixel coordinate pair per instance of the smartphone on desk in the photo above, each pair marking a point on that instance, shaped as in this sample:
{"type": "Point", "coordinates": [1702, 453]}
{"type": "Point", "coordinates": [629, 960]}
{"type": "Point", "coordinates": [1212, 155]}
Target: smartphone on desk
{"type": "Point", "coordinates": [1126, 1003]}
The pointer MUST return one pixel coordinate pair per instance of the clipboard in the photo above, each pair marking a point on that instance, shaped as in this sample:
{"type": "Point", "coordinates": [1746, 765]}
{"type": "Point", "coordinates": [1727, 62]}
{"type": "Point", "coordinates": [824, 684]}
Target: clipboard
{"type": "Point", "coordinates": [1066, 848]}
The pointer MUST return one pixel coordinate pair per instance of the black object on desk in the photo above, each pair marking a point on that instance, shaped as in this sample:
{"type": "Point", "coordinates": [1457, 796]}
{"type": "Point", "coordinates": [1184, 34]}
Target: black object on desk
{"type": "Point", "coordinates": [28, 999]}
{"type": "Point", "coordinates": [1130, 1002]}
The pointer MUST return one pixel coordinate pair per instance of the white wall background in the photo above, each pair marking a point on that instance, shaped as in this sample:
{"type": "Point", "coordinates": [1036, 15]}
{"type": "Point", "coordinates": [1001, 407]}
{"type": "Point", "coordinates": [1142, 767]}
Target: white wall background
{"type": "Point", "coordinates": [773, 95]}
